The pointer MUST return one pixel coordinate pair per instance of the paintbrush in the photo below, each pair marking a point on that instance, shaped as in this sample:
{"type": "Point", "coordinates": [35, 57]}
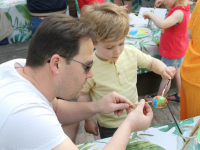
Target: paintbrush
{"type": "Point", "coordinates": [176, 122]}
{"type": "Point", "coordinates": [193, 133]}
{"type": "Point", "coordinates": [170, 109]}
{"type": "Point", "coordinates": [138, 103]}
{"type": "Point", "coordinates": [165, 87]}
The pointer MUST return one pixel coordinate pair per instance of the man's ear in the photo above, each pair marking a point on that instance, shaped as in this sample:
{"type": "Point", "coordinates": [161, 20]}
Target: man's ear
{"type": "Point", "coordinates": [55, 64]}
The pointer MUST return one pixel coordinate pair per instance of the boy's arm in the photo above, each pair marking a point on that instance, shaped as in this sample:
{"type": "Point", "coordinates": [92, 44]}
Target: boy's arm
{"type": "Point", "coordinates": [176, 17]}
{"type": "Point", "coordinates": [90, 125]}
{"type": "Point", "coordinates": [160, 68]}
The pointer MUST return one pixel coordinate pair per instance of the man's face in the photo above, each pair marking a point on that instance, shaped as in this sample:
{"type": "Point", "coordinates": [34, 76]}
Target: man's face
{"type": "Point", "coordinates": [109, 50]}
{"type": "Point", "coordinates": [74, 76]}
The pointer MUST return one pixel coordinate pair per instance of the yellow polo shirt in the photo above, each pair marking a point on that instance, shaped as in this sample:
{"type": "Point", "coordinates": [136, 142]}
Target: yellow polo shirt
{"type": "Point", "coordinates": [120, 77]}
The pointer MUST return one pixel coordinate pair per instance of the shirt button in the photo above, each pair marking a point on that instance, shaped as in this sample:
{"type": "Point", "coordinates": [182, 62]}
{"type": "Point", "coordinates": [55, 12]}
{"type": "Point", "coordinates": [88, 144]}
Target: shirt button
{"type": "Point", "coordinates": [118, 73]}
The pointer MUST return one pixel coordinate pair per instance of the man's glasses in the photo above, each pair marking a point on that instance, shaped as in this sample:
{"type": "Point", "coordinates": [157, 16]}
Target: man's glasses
{"type": "Point", "coordinates": [88, 67]}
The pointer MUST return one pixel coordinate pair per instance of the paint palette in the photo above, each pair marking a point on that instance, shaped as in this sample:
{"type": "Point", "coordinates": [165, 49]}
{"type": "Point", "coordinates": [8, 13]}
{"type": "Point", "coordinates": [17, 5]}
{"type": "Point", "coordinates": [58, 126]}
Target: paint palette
{"type": "Point", "coordinates": [138, 32]}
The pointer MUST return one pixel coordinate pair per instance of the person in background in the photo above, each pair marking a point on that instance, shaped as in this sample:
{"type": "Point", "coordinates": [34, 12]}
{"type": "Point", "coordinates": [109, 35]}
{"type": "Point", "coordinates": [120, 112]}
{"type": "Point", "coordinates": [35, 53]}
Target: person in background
{"type": "Point", "coordinates": [115, 64]}
{"type": "Point", "coordinates": [59, 61]}
{"type": "Point", "coordinates": [125, 3]}
{"type": "Point", "coordinates": [39, 9]}
{"type": "Point", "coordinates": [173, 41]}
{"type": "Point", "coordinates": [5, 28]}
{"type": "Point", "coordinates": [190, 81]}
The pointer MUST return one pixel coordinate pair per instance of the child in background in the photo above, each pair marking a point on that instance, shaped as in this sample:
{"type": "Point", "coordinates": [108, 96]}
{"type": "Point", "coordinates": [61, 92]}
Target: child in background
{"type": "Point", "coordinates": [174, 40]}
{"type": "Point", "coordinates": [115, 64]}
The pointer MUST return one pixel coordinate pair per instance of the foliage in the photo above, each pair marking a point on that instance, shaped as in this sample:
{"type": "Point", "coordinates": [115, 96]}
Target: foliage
{"type": "Point", "coordinates": [169, 126]}
{"type": "Point", "coordinates": [143, 145]}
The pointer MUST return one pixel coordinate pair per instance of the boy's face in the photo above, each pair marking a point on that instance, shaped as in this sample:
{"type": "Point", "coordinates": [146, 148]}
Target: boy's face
{"type": "Point", "coordinates": [109, 50]}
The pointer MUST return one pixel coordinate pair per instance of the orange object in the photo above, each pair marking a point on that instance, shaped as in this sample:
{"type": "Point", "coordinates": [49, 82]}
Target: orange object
{"type": "Point", "coordinates": [190, 70]}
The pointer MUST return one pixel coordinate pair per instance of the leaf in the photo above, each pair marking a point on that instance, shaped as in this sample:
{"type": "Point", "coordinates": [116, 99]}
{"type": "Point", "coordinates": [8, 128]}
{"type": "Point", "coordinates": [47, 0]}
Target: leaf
{"type": "Point", "coordinates": [86, 148]}
{"type": "Point", "coordinates": [28, 38]}
{"type": "Point", "coordinates": [16, 21]}
{"type": "Point", "coordinates": [145, 48]}
{"type": "Point", "coordinates": [8, 17]}
{"type": "Point", "coordinates": [83, 145]}
{"type": "Point", "coordinates": [169, 126]}
{"type": "Point", "coordinates": [134, 136]}
{"type": "Point", "coordinates": [129, 43]}
{"type": "Point", "coordinates": [143, 145]}
{"type": "Point", "coordinates": [147, 134]}
{"type": "Point", "coordinates": [24, 11]}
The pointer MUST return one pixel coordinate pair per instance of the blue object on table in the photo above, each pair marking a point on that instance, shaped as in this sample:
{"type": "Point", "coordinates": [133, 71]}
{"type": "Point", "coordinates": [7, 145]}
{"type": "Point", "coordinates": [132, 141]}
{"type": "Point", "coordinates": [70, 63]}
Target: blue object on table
{"type": "Point", "coordinates": [134, 32]}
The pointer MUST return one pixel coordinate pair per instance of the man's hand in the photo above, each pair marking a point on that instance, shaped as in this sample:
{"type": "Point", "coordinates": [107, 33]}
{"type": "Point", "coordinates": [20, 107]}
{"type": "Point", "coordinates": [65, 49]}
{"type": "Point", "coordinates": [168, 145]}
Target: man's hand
{"type": "Point", "coordinates": [91, 126]}
{"type": "Point", "coordinates": [114, 102]}
{"type": "Point", "coordinates": [168, 72]}
{"type": "Point", "coordinates": [140, 118]}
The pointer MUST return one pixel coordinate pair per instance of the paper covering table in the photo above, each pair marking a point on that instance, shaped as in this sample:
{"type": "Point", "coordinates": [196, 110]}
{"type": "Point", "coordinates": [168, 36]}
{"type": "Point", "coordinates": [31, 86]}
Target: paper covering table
{"type": "Point", "coordinates": [148, 45]}
{"type": "Point", "coordinates": [18, 14]}
{"type": "Point", "coordinates": [162, 137]}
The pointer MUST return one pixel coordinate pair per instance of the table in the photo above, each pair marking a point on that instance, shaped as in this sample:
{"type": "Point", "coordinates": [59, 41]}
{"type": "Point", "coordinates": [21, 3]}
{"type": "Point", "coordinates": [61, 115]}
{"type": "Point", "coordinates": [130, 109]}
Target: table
{"type": "Point", "coordinates": [18, 14]}
{"type": "Point", "coordinates": [148, 45]}
{"type": "Point", "coordinates": [162, 137]}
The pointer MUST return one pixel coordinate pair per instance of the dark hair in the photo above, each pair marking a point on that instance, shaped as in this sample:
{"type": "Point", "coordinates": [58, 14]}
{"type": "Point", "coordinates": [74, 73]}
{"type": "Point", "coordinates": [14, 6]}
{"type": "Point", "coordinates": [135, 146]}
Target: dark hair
{"type": "Point", "coordinates": [57, 34]}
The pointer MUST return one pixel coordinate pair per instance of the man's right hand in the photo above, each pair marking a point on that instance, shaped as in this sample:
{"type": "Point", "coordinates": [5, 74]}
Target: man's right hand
{"type": "Point", "coordinates": [141, 117]}
{"type": "Point", "coordinates": [91, 126]}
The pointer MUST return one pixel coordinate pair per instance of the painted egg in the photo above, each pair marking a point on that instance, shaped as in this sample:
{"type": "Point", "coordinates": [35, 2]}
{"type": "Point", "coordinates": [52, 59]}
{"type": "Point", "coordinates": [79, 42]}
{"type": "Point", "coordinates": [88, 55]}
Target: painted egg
{"type": "Point", "coordinates": [159, 101]}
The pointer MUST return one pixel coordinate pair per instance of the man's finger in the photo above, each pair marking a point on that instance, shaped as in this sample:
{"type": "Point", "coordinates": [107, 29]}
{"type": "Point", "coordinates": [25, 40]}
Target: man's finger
{"type": "Point", "coordinates": [121, 106]}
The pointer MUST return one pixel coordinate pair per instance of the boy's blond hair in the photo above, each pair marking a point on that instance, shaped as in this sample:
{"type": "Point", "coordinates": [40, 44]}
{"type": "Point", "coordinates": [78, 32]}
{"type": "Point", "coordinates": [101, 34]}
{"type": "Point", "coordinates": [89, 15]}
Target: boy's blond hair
{"type": "Point", "coordinates": [112, 22]}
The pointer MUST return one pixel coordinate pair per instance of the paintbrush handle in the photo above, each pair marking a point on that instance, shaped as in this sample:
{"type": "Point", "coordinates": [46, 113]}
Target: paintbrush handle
{"type": "Point", "coordinates": [138, 103]}
{"type": "Point", "coordinates": [175, 122]}
{"type": "Point", "coordinates": [165, 86]}
{"type": "Point", "coordinates": [193, 133]}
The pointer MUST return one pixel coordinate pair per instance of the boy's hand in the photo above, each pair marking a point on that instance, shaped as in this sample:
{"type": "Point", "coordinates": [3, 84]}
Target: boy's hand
{"type": "Point", "coordinates": [168, 72]}
{"type": "Point", "coordinates": [91, 126]}
{"type": "Point", "coordinates": [146, 14]}
{"type": "Point", "coordinates": [159, 2]}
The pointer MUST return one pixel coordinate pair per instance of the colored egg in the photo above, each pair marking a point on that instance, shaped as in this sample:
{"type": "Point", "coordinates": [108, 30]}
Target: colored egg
{"type": "Point", "coordinates": [159, 101]}
{"type": "Point", "coordinates": [133, 32]}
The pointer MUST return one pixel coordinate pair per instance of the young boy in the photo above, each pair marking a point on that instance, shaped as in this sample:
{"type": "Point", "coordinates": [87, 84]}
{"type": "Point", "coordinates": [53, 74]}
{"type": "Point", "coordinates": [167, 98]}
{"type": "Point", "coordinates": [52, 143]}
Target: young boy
{"type": "Point", "coordinates": [115, 64]}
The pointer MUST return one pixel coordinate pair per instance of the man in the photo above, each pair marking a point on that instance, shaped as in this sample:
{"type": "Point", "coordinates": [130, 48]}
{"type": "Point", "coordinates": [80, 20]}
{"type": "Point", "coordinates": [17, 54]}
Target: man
{"type": "Point", "coordinates": [58, 65]}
